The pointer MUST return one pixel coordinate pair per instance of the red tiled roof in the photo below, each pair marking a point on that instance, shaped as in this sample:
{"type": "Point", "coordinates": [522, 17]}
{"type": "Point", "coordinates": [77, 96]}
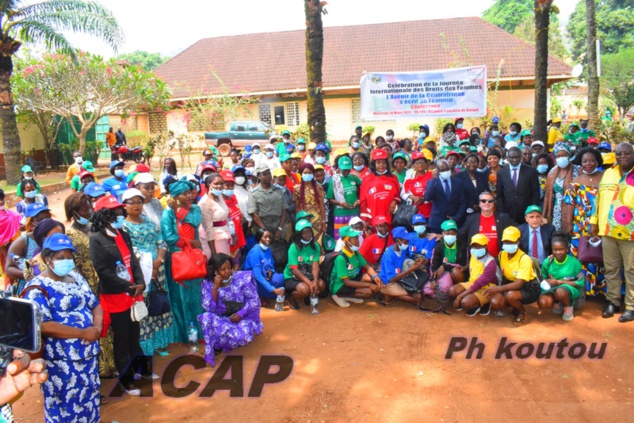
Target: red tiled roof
{"type": "Point", "coordinates": [273, 62]}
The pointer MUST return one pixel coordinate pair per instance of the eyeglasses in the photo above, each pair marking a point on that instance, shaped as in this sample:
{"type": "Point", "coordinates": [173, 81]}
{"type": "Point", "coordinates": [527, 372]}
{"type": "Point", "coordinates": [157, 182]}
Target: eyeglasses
{"type": "Point", "coordinates": [487, 201]}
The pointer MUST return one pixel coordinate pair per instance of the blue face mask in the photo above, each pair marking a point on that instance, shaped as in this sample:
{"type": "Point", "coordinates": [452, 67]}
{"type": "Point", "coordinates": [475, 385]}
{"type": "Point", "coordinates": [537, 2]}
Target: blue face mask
{"type": "Point", "coordinates": [449, 239]}
{"type": "Point", "coordinates": [478, 252]}
{"type": "Point", "coordinates": [119, 173]}
{"type": "Point", "coordinates": [118, 224]}
{"type": "Point", "coordinates": [30, 194]}
{"type": "Point", "coordinates": [216, 192]}
{"type": "Point", "coordinates": [403, 247]}
{"type": "Point", "coordinates": [264, 247]}
{"type": "Point", "coordinates": [227, 192]}
{"type": "Point", "coordinates": [510, 248]}
{"type": "Point", "coordinates": [459, 126]}
{"type": "Point", "coordinates": [62, 267]}
{"type": "Point", "coordinates": [269, 154]}
{"type": "Point", "coordinates": [353, 248]}
{"type": "Point", "coordinates": [256, 152]}
{"type": "Point", "coordinates": [81, 220]}
{"type": "Point", "coordinates": [355, 145]}
{"type": "Point", "coordinates": [513, 133]}
{"type": "Point", "coordinates": [495, 133]}
{"type": "Point", "coordinates": [307, 177]}
{"type": "Point", "coordinates": [542, 168]}
{"type": "Point", "coordinates": [306, 242]}
{"type": "Point", "coordinates": [481, 170]}
{"type": "Point", "coordinates": [419, 229]}
{"type": "Point", "coordinates": [358, 168]}
{"type": "Point", "coordinates": [563, 161]}
{"type": "Point", "coordinates": [320, 160]}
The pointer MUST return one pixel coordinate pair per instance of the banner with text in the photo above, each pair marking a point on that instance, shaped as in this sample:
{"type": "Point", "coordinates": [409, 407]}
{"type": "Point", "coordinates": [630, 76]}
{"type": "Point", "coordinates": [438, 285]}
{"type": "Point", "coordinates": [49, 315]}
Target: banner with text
{"type": "Point", "coordinates": [443, 93]}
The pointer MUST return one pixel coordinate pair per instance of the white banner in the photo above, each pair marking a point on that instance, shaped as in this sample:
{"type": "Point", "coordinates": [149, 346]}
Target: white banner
{"type": "Point", "coordinates": [458, 92]}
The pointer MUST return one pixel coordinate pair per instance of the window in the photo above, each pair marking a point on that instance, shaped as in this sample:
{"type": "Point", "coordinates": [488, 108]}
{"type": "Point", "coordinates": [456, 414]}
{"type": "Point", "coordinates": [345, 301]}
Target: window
{"type": "Point", "coordinates": [278, 111]}
{"type": "Point", "coordinates": [240, 127]}
{"type": "Point", "coordinates": [254, 127]}
{"type": "Point", "coordinates": [292, 114]}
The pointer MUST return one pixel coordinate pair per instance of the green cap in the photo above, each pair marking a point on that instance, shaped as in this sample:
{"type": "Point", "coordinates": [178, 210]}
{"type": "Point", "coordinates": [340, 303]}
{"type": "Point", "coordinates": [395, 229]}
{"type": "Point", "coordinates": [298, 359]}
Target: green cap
{"type": "Point", "coordinates": [26, 168]}
{"type": "Point", "coordinates": [88, 166]}
{"type": "Point", "coordinates": [526, 132]}
{"type": "Point", "coordinates": [284, 157]}
{"type": "Point", "coordinates": [301, 141]}
{"type": "Point", "coordinates": [533, 208]}
{"type": "Point", "coordinates": [574, 124]}
{"type": "Point", "coordinates": [348, 231]}
{"type": "Point", "coordinates": [303, 215]}
{"type": "Point", "coordinates": [400, 155]}
{"type": "Point", "coordinates": [345, 163]}
{"type": "Point", "coordinates": [473, 148]}
{"type": "Point", "coordinates": [286, 132]}
{"type": "Point", "coordinates": [328, 242]}
{"type": "Point", "coordinates": [303, 224]}
{"type": "Point", "coordinates": [448, 225]}
{"type": "Point", "coordinates": [465, 141]}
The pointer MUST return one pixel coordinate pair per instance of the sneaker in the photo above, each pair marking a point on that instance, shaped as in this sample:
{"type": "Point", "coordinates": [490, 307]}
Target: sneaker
{"type": "Point", "coordinates": [473, 312]}
{"type": "Point", "coordinates": [132, 391]}
{"type": "Point", "coordinates": [558, 308]}
{"type": "Point", "coordinates": [152, 376]}
{"type": "Point", "coordinates": [485, 309]}
{"type": "Point", "coordinates": [354, 300]}
{"type": "Point", "coordinates": [499, 313]}
{"type": "Point", "coordinates": [568, 316]}
{"type": "Point", "coordinates": [340, 301]}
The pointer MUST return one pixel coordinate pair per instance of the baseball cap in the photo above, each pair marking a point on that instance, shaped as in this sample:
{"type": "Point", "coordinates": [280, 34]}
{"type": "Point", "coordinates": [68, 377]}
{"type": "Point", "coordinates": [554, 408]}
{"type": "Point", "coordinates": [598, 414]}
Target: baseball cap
{"type": "Point", "coordinates": [296, 155]}
{"type": "Point", "coordinates": [262, 167]}
{"type": "Point", "coordinates": [131, 193]}
{"type": "Point", "coordinates": [227, 176]}
{"type": "Point", "coordinates": [255, 144]}
{"type": "Point", "coordinates": [526, 132]}
{"type": "Point", "coordinates": [479, 239]}
{"type": "Point", "coordinates": [26, 169]}
{"type": "Point", "coordinates": [301, 141]}
{"type": "Point", "coordinates": [556, 119]}
{"type": "Point", "coordinates": [511, 234]}
{"type": "Point", "coordinates": [452, 153]}
{"type": "Point", "coordinates": [88, 166]}
{"type": "Point", "coordinates": [144, 178]}
{"type": "Point", "coordinates": [208, 166]}
{"type": "Point", "coordinates": [107, 202]}
{"type": "Point", "coordinates": [286, 132]}
{"type": "Point", "coordinates": [237, 167]}
{"type": "Point", "coordinates": [113, 164]}
{"type": "Point", "coordinates": [303, 224]}
{"type": "Point", "coordinates": [142, 168]}
{"type": "Point", "coordinates": [448, 225]}
{"type": "Point", "coordinates": [318, 167]}
{"type": "Point", "coordinates": [418, 218]}
{"type": "Point", "coordinates": [358, 127]}
{"type": "Point", "coordinates": [495, 119]}
{"type": "Point", "coordinates": [400, 232]}
{"type": "Point", "coordinates": [379, 154]}
{"type": "Point", "coordinates": [533, 208]}
{"type": "Point", "coordinates": [537, 143]}
{"type": "Point", "coordinates": [311, 145]}
{"type": "Point", "coordinates": [593, 140]}
{"type": "Point", "coordinates": [347, 232]}
{"type": "Point", "coordinates": [606, 145]}
{"type": "Point", "coordinates": [94, 190]}
{"type": "Point", "coordinates": [377, 220]}
{"type": "Point", "coordinates": [269, 147]}
{"type": "Point", "coordinates": [321, 146]}
{"type": "Point", "coordinates": [400, 155]}
{"type": "Point", "coordinates": [303, 215]}
{"type": "Point", "coordinates": [284, 157]}
{"type": "Point", "coordinates": [58, 242]}
{"type": "Point", "coordinates": [345, 163]}
{"type": "Point", "coordinates": [85, 173]}
{"type": "Point", "coordinates": [279, 172]}
{"type": "Point", "coordinates": [465, 141]}
{"type": "Point", "coordinates": [34, 209]}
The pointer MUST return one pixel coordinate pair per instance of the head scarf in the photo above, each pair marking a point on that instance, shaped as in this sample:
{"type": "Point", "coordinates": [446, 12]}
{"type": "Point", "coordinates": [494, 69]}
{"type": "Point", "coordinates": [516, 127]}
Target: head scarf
{"type": "Point", "coordinates": [43, 228]}
{"type": "Point", "coordinates": [180, 187]}
{"type": "Point", "coordinates": [562, 146]}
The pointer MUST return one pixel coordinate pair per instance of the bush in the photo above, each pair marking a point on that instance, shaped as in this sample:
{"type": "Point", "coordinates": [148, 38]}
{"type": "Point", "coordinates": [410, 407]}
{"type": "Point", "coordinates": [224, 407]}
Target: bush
{"type": "Point", "coordinates": [137, 138]}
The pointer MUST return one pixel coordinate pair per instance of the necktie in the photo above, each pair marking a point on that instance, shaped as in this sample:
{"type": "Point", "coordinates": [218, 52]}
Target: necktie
{"type": "Point", "coordinates": [447, 189]}
{"type": "Point", "coordinates": [534, 249]}
{"type": "Point", "coordinates": [515, 178]}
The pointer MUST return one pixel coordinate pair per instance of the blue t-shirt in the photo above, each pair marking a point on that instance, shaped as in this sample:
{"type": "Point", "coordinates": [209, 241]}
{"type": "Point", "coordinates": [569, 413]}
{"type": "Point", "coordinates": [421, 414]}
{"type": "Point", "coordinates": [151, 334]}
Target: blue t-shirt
{"type": "Point", "coordinates": [391, 263]}
{"type": "Point", "coordinates": [421, 246]}
{"type": "Point", "coordinates": [115, 186]}
{"type": "Point", "coordinates": [260, 261]}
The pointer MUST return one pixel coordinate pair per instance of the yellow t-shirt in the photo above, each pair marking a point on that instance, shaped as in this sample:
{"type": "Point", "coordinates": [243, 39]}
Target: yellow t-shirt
{"type": "Point", "coordinates": [519, 267]}
{"type": "Point", "coordinates": [476, 269]}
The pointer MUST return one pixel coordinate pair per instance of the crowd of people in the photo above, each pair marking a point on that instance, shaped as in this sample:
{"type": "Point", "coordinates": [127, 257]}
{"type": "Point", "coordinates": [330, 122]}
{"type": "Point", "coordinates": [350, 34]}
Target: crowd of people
{"type": "Point", "coordinates": [478, 221]}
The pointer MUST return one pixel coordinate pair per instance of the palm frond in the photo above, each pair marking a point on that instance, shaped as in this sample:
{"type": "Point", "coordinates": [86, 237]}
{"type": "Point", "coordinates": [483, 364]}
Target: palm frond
{"type": "Point", "coordinates": [36, 31]}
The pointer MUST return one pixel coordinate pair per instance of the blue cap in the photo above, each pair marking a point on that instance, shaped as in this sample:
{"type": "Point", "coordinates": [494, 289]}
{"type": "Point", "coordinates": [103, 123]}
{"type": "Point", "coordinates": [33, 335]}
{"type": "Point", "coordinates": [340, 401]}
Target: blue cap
{"type": "Point", "coordinates": [248, 148]}
{"type": "Point", "coordinates": [58, 242]}
{"type": "Point", "coordinates": [237, 167]}
{"type": "Point", "coordinates": [290, 147]}
{"type": "Point", "coordinates": [495, 119]}
{"type": "Point", "coordinates": [323, 147]}
{"type": "Point", "coordinates": [34, 209]}
{"type": "Point", "coordinates": [94, 190]}
{"type": "Point", "coordinates": [605, 145]}
{"type": "Point", "coordinates": [400, 232]}
{"type": "Point", "coordinates": [418, 218]}
{"type": "Point", "coordinates": [115, 163]}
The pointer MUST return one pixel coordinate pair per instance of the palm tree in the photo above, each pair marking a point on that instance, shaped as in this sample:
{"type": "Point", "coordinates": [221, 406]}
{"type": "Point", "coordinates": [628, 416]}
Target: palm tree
{"type": "Point", "coordinates": [542, 20]}
{"type": "Point", "coordinates": [42, 22]}
{"type": "Point", "coordinates": [314, 58]}
{"type": "Point", "coordinates": [593, 77]}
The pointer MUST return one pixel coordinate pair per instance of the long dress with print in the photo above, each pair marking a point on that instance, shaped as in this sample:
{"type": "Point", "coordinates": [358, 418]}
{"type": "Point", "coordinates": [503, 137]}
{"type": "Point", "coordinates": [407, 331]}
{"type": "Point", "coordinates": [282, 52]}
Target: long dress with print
{"type": "Point", "coordinates": [156, 331]}
{"type": "Point", "coordinates": [185, 297]}
{"type": "Point", "coordinates": [582, 198]}
{"type": "Point", "coordinates": [84, 266]}
{"type": "Point", "coordinates": [219, 331]}
{"type": "Point", "coordinates": [312, 200]}
{"type": "Point", "coordinates": [71, 393]}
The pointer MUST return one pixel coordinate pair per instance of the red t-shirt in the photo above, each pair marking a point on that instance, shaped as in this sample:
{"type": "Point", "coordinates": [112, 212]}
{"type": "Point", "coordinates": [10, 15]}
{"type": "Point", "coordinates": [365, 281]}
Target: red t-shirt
{"type": "Point", "coordinates": [416, 186]}
{"type": "Point", "coordinates": [236, 217]}
{"type": "Point", "coordinates": [377, 192]}
{"type": "Point", "coordinates": [373, 247]}
{"type": "Point", "coordinates": [488, 229]}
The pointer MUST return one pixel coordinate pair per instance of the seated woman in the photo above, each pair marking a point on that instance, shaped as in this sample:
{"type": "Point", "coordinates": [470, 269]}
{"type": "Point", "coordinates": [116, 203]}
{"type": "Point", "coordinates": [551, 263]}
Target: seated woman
{"type": "Point", "coordinates": [232, 308]}
{"type": "Point", "coordinates": [519, 285]}
{"type": "Point", "coordinates": [563, 279]}
{"type": "Point", "coordinates": [484, 273]}
{"type": "Point", "coordinates": [448, 260]}
{"type": "Point", "coordinates": [260, 262]}
{"type": "Point", "coordinates": [302, 270]}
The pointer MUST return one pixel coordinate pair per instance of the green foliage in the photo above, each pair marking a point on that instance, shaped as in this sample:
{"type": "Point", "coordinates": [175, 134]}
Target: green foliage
{"type": "Point", "coordinates": [302, 131]}
{"type": "Point", "coordinates": [615, 20]}
{"type": "Point", "coordinates": [160, 143]}
{"type": "Point", "coordinates": [144, 59]}
{"type": "Point", "coordinates": [616, 131]}
{"type": "Point", "coordinates": [414, 127]}
{"type": "Point", "coordinates": [368, 129]}
{"type": "Point", "coordinates": [508, 14]}
{"type": "Point", "coordinates": [579, 104]}
{"type": "Point", "coordinates": [618, 79]}
{"type": "Point", "coordinates": [556, 47]}
{"type": "Point", "coordinates": [440, 124]}
{"type": "Point", "coordinates": [555, 106]}
{"type": "Point", "coordinates": [136, 138]}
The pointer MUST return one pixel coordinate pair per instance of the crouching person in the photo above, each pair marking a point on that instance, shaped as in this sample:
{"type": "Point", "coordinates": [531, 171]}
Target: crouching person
{"type": "Point", "coordinates": [448, 260]}
{"type": "Point", "coordinates": [563, 283]}
{"type": "Point", "coordinates": [484, 273]}
{"type": "Point", "coordinates": [347, 283]}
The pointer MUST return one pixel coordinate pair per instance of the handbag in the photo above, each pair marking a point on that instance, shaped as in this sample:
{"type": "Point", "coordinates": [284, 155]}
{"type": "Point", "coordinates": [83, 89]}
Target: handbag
{"type": "Point", "coordinates": [403, 215]}
{"type": "Point", "coordinates": [232, 307]}
{"type": "Point", "coordinates": [157, 301]}
{"type": "Point", "coordinates": [138, 311]}
{"type": "Point", "coordinates": [188, 263]}
{"type": "Point", "coordinates": [586, 253]}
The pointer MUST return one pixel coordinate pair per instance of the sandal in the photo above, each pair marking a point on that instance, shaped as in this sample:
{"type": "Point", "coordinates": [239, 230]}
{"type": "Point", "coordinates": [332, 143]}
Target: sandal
{"type": "Point", "coordinates": [521, 319]}
{"type": "Point", "coordinates": [103, 400]}
{"type": "Point", "coordinates": [386, 304]}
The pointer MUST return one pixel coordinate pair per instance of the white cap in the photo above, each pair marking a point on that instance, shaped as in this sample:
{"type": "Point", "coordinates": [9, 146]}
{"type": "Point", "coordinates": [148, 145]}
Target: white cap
{"type": "Point", "coordinates": [510, 144]}
{"type": "Point", "coordinates": [144, 178]}
{"type": "Point", "coordinates": [254, 144]}
{"type": "Point", "coordinates": [269, 146]}
{"type": "Point", "coordinates": [537, 143]}
{"type": "Point", "coordinates": [131, 193]}
{"type": "Point", "coordinates": [354, 221]}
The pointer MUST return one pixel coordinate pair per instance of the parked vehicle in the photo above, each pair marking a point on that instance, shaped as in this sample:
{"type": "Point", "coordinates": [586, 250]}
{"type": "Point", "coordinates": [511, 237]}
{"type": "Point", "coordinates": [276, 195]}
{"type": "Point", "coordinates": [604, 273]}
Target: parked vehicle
{"type": "Point", "coordinates": [241, 133]}
{"type": "Point", "coordinates": [126, 153]}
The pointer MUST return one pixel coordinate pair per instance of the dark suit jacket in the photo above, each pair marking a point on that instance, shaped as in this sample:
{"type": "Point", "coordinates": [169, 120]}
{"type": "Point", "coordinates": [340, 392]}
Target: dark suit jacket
{"type": "Point", "coordinates": [546, 231]}
{"type": "Point", "coordinates": [512, 200]}
{"type": "Point", "coordinates": [455, 207]}
{"type": "Point", "coordinates": [472, 226]}
{"type": "Point", "coordinates": [472, 192]}
{"type": "Point", "coordinates": [105, 254]}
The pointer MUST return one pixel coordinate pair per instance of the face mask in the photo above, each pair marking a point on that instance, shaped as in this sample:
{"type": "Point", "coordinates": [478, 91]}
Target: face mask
{"type": "Point", "coordinates": [403, 247]}
{"type": "Point", "coordinates": [358, 168]}
{"type": "Point", "coordinates": [62, 267]}
{"type": "Point", "coordinates": [226, 281]}
{"type": "Point", "coordinates": [481, 170]}
{"type": "Point", "coordinates": [119, 173]}
{"type": "Point", "coordinates": [353, 248]}
{"type": "Point", "coordinates": [382, 173]}
{"type": "Point", "coordinates": [28, 178]}
{"type": "Point", "coordinates": [591, 173]}
{"type": "Point", "coordinates": [534, 155]}
{"type": "Point", "coordinates": [81, 220]}
{"type": "Point", "coordinates": [30, 194]}
{"type": "Point", "coordinates": [118, 224]}
{"type": "Point", "coordinates": [264, 247]}
{"type": "Point", "coordinates": [584, 130]}
{"type": "Point", "coordinates": [445, 175]}
{"type": "Point", "coordinates": [307, 177]}
{"type": "Point", "coordinates": [449, 239]}
{"type": "Point", "coordinates": [240, 180]}
{"type": "Point", "coordinates": [542, 168]}
{"type": "Point", "coordinates": [562, 161]}
{"type": "Point", "coordinates": [227, 192]}
{"type": "Point", "coordinates": [256, 152]}
{"type": "Point", "coordinates": [495, 133]}
{"type": "Point", "coordinates": [380, 235]}
{"type": "Point", "coordinates": [320, 160]}
{"type": "Point", "coordinates": [306, 242]}
{"type": "Point", "coordinates": [419, 229]}
{"type": "Point", "coordinates": [251, 170]}
{"type": "Point", "coordinates": [510, 248]}
{"type": "Point", "coordinates": [249, 182]}
{"type": "Point", "coordinates": [389, 137]}
{"type": "Point", "coordinates": [277, 185]}
{"type": "Point", "coordinates": [355, 145]}
{"type": "Point", "coordinates": [269, 154]}
{"type": "Point", "coordinates": [513, 133]}
{"type": "Point", "coordinates": [301, 147]}
{"type": "Point", "coordinates": [216, 192]}
{"type": "Point", "coordinates": [459, 126]}
{"type": "Point", "coordinates": [478, 252]}
{"type": "Point", "coordinates": [79, 160]}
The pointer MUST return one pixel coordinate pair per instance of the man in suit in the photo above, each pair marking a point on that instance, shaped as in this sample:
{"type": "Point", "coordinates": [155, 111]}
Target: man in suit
{"type": "Point", "coordinates": [517, 186]}
{"type": "Point", "coordinates": [447, 195]}
{"type": "Point", "coordinates": [536, 238]}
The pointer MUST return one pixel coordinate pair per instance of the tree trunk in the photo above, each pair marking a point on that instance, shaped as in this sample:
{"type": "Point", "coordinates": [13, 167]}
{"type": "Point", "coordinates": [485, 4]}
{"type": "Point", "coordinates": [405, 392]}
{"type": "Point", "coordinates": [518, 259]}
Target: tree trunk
{"type": "Point", "coordinates": [314, 58]}
{"type": "Point", "coordinates": [542, 19]}
{"type": "Point", "coordinates": [10, 135]}
{"type": "Point", "coordinates": [593, 78]}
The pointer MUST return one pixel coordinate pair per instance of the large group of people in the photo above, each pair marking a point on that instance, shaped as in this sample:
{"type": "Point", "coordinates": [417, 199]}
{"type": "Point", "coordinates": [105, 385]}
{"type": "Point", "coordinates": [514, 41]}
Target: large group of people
{"type": "Point", "coordinates": [476, 220]}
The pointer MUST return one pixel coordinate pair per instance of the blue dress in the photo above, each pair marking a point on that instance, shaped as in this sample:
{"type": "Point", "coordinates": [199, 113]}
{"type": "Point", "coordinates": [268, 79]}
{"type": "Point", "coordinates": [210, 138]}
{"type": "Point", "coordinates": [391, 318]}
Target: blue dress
{"type": "Point", "coordinates": [71, 393]}
{"type": "Point", "coordinates": [260, 261]}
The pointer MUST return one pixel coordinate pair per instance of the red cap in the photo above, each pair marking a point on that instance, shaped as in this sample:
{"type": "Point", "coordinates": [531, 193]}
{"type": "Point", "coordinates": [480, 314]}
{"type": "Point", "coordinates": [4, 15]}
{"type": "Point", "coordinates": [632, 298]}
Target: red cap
{"type": "Point", "coordinates": [593, 140]}
{"type": "Point", "coordinates": [453, 153]}
{"type": "Point", "coordinates": [107, 202]}
{"type": "Point", "coordinates": [379, 154]}
{"type": "Point", "coordinates": [227, 176]}
{"type": "Point", "coordinates": [85, 173]}
{"type": "Point", "coordinates": [208, 166]}
{"type": "Point", "coordinates": [142, 168]}
{"type": "Point", "coordinates": [417, 155]}
{"type": "Point", "coordinates": [457, 119]}
{"type": "Point", "coordinates": [377, 220]}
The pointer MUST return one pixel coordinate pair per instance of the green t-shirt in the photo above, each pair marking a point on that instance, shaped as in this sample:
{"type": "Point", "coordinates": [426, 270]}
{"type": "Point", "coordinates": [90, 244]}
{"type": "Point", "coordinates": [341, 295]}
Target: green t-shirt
{"type": "Point", "coordinates": [281, 148]}
{"type": "Point", "coordinates": [347, 268]}
{"type": "Point", "coordinates": [401, 176]}
{"type": "Point", "coordinates": [307, 255]}
{"type": "Point", "coordinates": [451, 252]}
{"type": "Point", "coordinates": [75, 183]}
{"type": "Point", "coordinates": [351, 186]}
{"type": "Point", "coordinates": [570, 268]}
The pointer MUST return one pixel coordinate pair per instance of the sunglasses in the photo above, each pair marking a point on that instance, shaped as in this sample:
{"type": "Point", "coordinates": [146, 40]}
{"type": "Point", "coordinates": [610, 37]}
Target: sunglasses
{"type": "Point", "coordinates": [487, 201]}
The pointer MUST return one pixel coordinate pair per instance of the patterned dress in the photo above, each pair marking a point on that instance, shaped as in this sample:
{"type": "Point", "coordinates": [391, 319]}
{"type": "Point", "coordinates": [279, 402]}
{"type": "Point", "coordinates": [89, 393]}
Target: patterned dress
{"type": "Point", "coordinates": [156, 331]}
{"type": "Point", "coordinates": [220, 332]}
{"type": "Point", "coordinates": [558, 197]}
{"type": "Point", "coordinates": [71, 393]}
{"type": "Point", "coordinates": [582, 198]}
{"type": "Point", "coordinates": [312, 200]}
{"type": "Point", "coordinates": [84, 266]}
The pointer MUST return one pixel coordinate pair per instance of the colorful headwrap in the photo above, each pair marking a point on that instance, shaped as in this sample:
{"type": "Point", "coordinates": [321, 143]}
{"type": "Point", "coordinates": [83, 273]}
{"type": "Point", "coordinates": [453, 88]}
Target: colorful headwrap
{"type": "Point", "coordinates": [179, 187]}
{"type": "Point", "coordinates": [561, 146]}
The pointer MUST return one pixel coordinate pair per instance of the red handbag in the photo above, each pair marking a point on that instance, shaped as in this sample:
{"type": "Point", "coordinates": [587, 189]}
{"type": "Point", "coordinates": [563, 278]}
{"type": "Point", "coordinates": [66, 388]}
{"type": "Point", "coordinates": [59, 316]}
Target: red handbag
{"type": "Point", "coordinates": [188, 263]}
{"type": "Point", "coordinates": [586, 253]}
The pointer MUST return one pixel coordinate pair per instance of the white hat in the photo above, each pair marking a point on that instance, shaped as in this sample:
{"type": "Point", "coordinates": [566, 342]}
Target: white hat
{"type": "Point", "coordinates": [254, 144]}
{"type": "Point", "coordinates": [537, 143]}
{"type": "Point", "coordinates": [510, 144]}
{"type": "Point", "coordinates": [144, 178]}
{"type": "Point", "coordinates": [131, 193]}
{"type": "Point", "coordinates": [269, 146]}
{"type": "Point", "coordinates": [354, 221]}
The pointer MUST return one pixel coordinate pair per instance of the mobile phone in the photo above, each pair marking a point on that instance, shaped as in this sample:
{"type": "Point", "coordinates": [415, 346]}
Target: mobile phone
{"type": "Point", "coordinates": [20, 324]}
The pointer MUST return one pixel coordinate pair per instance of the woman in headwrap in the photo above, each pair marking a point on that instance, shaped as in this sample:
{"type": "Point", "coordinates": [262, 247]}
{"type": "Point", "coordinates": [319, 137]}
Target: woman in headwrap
{"type": "Point", "coordinates": [309, 196]}
{"type": "Point", "coordinates": [44, 229]}
{"type": "Point", "coordinates": [179, 225]}
{"type": "Point", "coordinates": [9, 232]}
{"type": "Point", "coordinates": [557, 181]}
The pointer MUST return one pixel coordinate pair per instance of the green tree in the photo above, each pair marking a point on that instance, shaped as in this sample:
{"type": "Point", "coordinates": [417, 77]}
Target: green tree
{"type": "Point", "coordinates": [614, 19]}
{"type": "Point", "coordinates": [542, 22]}
{"type": "Point", "coordinates": [42, 22]}
{"type": "Point", "coordinates": [594, 85]}
{"type": "Point", "coordinates": [144, 59]}
{"type": "Point", "coordinates": [556, 47]}
{"type": "Point", "coordinates": [618, 79]}
{"type": "Point", "coordinates": [508, 14]}
{"type": "Point", "coordinates": [314, 58]}
{"type": "Point", "coordinates": [87, 88]}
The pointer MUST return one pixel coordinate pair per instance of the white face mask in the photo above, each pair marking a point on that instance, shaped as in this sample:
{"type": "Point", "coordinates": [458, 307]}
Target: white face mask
{"type": "Point", "coordinates": [240, 180]}
{"type": "Point", "coordinates": [445, 175]}
{"type": "Point", "coordinates": [79, 160]}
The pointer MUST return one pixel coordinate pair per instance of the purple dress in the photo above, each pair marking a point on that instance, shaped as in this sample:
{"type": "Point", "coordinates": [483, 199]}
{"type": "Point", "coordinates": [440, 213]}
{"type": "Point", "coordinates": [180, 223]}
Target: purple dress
{"type": "Point", "coordinates": [219, 332]}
